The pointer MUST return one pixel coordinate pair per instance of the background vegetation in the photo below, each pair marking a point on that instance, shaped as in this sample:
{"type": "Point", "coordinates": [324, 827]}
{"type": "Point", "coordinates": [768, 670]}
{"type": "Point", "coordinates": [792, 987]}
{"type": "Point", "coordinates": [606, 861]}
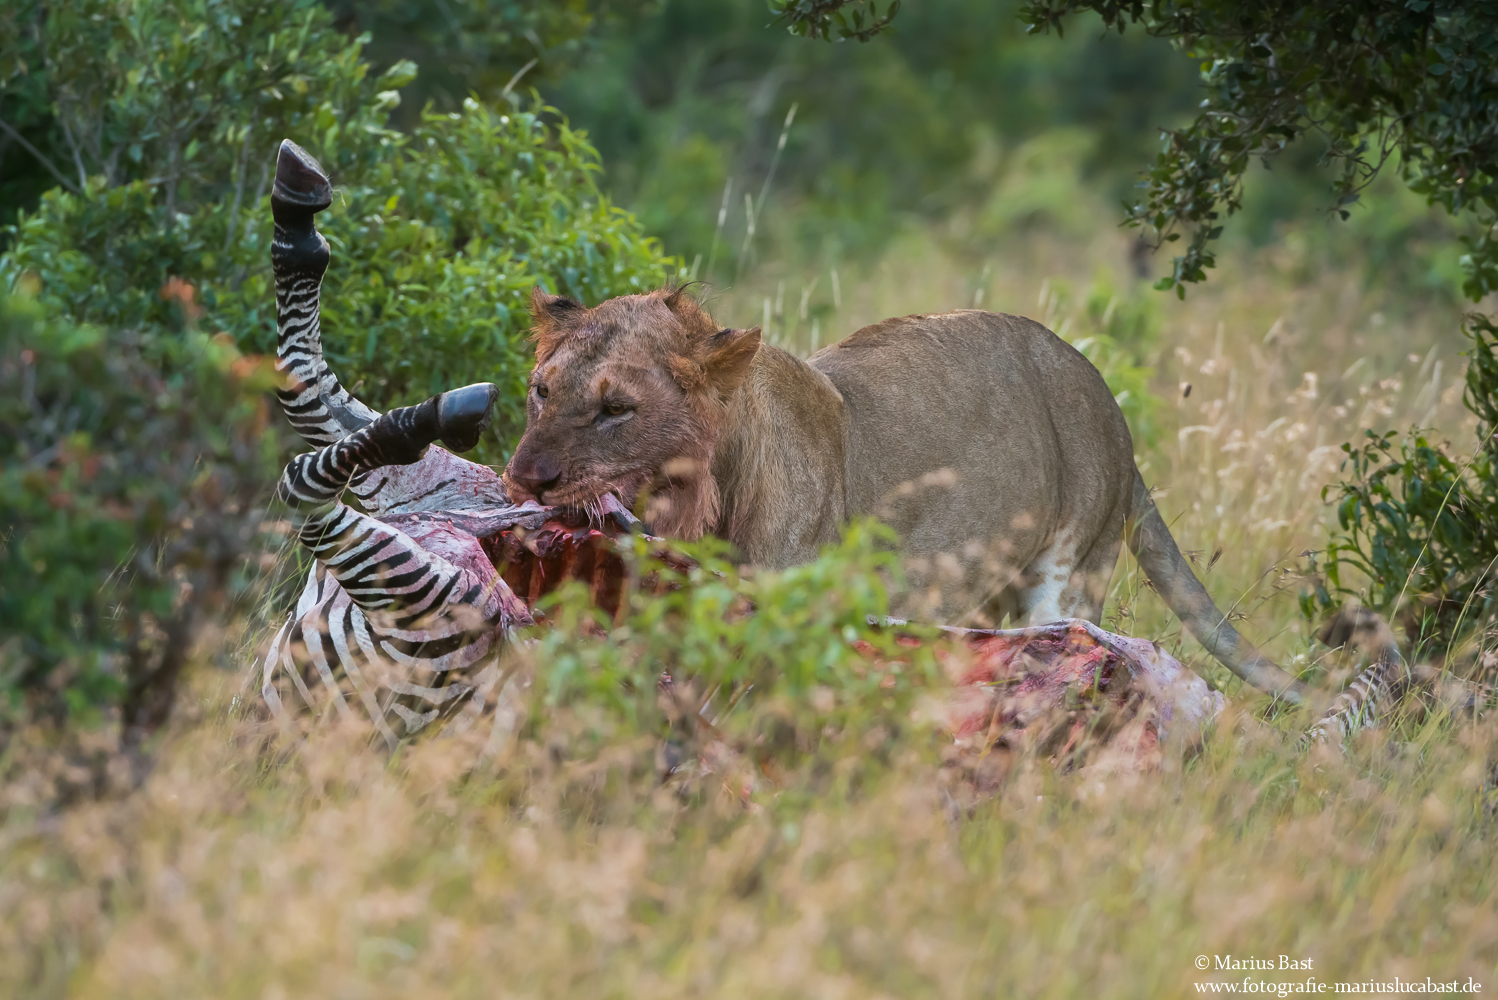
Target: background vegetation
{"type": "Point", "coordinates": [955, 162]}
{"type": "Point", "coordinates": [1409, 83]}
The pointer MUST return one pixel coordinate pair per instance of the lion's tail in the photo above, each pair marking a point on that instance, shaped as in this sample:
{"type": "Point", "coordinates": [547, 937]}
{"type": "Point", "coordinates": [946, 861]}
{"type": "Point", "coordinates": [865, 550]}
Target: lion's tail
{"type": "Point", "coordinates": [1172, 577]}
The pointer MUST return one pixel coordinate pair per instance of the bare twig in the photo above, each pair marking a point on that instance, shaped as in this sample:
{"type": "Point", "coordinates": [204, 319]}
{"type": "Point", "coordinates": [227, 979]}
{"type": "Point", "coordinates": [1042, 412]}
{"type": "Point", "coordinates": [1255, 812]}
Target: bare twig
{"type": "Point", "coordinates": [243, 171]}
{"type": "Point", "coordinates": [173, 175]}
{"type": "Point", "coordinates": [40, 157]}
{"type": "Point", "coordinates": [77, 156]}
{"type": "Point", "coordinates": [516, 78]}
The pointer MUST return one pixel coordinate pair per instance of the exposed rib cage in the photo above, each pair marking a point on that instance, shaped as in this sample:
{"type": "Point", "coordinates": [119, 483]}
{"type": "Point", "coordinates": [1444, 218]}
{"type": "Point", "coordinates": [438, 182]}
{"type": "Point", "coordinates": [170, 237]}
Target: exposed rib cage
{"type": "Point", "coordinates": [403, 614]}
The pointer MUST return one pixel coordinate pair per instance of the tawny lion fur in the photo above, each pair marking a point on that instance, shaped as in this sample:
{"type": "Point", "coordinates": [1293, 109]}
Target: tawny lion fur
{"type": "Point", "coordinates": [991, 446]}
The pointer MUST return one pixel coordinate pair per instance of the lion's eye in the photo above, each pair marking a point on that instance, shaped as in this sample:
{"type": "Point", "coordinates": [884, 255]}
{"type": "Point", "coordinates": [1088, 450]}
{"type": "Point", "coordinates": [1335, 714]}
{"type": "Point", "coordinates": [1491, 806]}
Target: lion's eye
{"type": "Point", "coordinates": [541, 391]}
{"type": "Point", "coordinates": [616, 409]}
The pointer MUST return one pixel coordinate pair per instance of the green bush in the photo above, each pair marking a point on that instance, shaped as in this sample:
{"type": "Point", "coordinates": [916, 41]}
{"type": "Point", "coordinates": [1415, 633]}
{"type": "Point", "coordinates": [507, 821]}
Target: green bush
{"type": "Point", "coordinates": [1419, 524]}
{"type": "Point", "coordinates": [190, 96]}
{"type": "Point", "coordinates": [765, 649]}
{"type": "Point", "coordinates": [133, 470]}
{"type": "Point", "coordinates": [436, 249]}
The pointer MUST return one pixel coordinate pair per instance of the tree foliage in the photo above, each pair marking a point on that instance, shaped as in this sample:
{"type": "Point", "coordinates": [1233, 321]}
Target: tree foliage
{"type": "Point", "coordinates": [1412, 84]}
{"type": "Point", "coordinates": [688, 107]}
{"type": "Point", "coordinates": [822, 19]}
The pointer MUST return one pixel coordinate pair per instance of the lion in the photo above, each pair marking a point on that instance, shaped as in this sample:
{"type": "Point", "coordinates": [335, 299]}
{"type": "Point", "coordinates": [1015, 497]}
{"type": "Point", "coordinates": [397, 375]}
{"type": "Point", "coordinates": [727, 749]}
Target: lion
{"type": "Point", "coordinates": [992, 447]}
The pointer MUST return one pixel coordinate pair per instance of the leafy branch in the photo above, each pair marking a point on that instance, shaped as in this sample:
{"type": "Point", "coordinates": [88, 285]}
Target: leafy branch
{"type": "Point", "coordinates": [821, 19]}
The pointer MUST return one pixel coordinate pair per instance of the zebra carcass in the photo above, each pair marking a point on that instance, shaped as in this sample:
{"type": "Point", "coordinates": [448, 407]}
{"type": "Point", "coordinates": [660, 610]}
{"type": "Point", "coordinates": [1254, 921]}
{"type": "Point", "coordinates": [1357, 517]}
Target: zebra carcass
{"type": "Point", "coordinates": [404, 611]}
{"type": "Point", "coordinates": [412, 598]}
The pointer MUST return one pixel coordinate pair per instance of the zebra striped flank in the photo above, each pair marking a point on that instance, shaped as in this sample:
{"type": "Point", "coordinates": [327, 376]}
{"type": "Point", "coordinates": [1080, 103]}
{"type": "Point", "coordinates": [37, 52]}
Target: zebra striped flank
{"type": "Point", "coordinates": [393, 626]}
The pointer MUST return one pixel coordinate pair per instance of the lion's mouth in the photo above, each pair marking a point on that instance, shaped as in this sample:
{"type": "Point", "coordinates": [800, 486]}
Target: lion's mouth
{"type": "Point", "coordinates": [600, 501]}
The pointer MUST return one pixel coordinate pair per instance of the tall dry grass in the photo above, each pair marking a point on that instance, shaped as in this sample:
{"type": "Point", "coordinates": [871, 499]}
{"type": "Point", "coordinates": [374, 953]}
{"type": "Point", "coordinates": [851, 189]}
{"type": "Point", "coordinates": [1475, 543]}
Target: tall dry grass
{"type": "Point", "coordinates": [243, 868]}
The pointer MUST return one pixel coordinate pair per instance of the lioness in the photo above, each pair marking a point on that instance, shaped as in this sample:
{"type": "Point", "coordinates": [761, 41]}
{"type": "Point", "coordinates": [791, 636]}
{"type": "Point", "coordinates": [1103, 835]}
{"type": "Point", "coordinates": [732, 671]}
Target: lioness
{"type": "Point", "coordinates": [991, 446]}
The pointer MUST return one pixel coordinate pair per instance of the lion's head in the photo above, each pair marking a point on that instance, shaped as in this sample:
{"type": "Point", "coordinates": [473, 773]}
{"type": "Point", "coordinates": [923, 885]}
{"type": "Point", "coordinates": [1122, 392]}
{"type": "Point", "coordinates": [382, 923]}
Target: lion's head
{"type": "Point", "coordinates": [628, 398]}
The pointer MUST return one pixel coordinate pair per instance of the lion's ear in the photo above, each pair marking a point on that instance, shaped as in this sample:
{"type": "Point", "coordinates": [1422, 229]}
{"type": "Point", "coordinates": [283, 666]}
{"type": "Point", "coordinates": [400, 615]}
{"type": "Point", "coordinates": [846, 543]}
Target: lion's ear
{"type": "Point", "coordinates": [689, 312]}
{"type": "Point", "coordinates": [553, 316]}
{"type": "Point", "coordinates": [730, 353]}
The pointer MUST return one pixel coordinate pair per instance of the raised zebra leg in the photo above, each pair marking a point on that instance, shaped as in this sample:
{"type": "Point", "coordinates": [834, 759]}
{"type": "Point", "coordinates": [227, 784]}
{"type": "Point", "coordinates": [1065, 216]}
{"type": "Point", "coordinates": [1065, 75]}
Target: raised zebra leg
{"type": "Point", "coordinates": [316, 404]}
{"type": "Point", "coordinates": [400, 437]}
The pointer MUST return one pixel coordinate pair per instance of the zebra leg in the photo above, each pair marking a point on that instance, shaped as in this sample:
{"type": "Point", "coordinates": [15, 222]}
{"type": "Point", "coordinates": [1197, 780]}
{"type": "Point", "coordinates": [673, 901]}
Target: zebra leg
{"type": "Point", "coordinates": [401, 437]}
{"type": "Point", "coordinates": [1360, 705]}
{"type": "Point", "coordinates": [398, 622]}
{"type": "Point", "coordinates": [399, 625]}
{"type": "Point", "coordinates": [316, 404]}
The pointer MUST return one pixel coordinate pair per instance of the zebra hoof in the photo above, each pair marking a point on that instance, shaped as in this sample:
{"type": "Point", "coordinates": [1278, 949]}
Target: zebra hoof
{"type": "Point", "coordinates": [464, 414]}
{"type": "Point", "coordinates": [300, 180]}
{"type": "Point", "coordinates": [301, 190]}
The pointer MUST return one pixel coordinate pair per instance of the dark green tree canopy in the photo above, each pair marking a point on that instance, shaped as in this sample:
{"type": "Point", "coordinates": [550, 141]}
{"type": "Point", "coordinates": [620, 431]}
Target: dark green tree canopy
{"type": "Point", "coordinates": [1411, 84]}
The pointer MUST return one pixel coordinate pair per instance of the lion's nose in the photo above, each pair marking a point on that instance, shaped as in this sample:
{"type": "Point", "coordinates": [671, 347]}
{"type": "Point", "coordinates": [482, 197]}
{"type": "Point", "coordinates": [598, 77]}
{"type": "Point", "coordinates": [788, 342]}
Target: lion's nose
{"type": "Point", "coordinates": [535, 473]}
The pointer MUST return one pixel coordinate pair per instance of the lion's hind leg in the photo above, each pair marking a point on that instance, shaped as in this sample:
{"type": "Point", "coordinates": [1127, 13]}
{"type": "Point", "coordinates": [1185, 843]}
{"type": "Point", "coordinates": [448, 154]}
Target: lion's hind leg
{"type": "Point", "coordinates": [1062, 583]}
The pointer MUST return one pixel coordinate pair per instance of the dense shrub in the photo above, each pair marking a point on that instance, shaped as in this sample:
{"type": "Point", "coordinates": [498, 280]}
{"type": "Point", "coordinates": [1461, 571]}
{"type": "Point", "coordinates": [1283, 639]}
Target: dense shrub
{"type": "Point", "coordinates": [709, 619]}
{"type": "Point", "coordinates": [775, 663]}
{"type": "Point", "coordinates": [1419, 523]}
{"type": "Point", "coordinates": [437, 236]}
{"type": "Point", "coordinates": [132, 469]}
{"type": "Point", "coordinates": [187, 95]}
{"type": "Point", "coordinates": [435, 249]}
